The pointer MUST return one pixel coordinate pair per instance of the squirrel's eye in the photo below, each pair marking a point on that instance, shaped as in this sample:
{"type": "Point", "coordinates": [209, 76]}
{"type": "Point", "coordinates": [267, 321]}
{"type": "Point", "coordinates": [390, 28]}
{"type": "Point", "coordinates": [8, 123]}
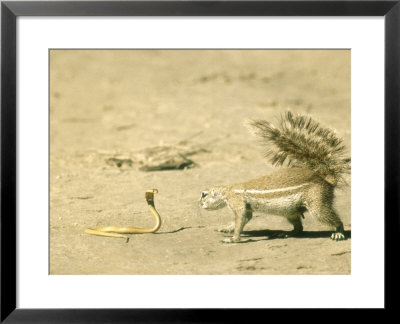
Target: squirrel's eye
{"type": "Point", "coordinates": [204, 194]}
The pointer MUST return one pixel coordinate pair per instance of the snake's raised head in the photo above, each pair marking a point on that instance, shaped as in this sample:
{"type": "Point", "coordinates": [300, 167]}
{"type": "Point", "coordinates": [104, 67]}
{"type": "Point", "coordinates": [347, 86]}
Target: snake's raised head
{"type": "Point", "coordinates": [149, 195]}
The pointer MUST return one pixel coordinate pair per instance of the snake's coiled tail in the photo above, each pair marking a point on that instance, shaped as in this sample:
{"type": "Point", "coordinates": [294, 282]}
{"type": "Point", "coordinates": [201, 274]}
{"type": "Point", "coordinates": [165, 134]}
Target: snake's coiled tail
{"type": "Point", "coordinates": [117, 231]}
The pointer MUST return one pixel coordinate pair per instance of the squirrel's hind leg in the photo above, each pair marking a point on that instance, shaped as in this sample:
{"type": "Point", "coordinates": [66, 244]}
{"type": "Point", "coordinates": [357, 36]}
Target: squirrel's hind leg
{"type": "Point", "coordinates": [295, 220]}
{"type": "Point", "coordinates": [339, 234]}
{"type": "Point", "coordinates": [327, 215]}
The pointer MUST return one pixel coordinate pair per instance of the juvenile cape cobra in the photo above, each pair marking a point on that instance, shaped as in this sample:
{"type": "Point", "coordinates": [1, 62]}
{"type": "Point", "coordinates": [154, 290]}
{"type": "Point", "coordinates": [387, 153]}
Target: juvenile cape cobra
{"type": "Point", "coordinates": [117, 231]}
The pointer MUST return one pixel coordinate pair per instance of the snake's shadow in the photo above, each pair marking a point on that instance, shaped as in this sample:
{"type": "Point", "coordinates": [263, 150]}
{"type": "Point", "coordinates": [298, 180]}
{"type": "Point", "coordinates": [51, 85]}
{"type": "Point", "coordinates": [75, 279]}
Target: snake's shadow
{"type": "Point", "coordinates": [178, 230]}
{"type": "Point", "coordinates": [278, 234]}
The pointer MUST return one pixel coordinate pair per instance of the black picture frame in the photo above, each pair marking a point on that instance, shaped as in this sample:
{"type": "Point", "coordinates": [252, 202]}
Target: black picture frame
{"type": "Point", "coordinates": [10, 10]}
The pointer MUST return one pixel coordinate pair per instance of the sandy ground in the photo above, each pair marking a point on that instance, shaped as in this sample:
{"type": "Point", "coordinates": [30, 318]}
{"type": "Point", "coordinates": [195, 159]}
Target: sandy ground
{"type": "Point", "coordinates": [105, 104]}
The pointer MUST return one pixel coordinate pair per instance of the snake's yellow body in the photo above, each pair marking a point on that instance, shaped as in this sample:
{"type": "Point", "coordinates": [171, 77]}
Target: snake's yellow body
{"type": "Point", "coordinates": [117, 231]}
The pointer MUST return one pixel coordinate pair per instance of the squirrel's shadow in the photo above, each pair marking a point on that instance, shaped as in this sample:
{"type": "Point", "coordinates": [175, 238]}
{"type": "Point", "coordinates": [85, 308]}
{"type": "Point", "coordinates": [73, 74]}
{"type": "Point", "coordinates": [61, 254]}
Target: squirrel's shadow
{"type": "Point", "coordinates": [278, 234]}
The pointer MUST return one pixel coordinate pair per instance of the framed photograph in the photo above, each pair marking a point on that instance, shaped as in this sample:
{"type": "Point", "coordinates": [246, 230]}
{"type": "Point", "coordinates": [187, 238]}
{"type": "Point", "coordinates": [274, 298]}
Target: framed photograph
{"type": "Point", "coordinates": [188, 160]}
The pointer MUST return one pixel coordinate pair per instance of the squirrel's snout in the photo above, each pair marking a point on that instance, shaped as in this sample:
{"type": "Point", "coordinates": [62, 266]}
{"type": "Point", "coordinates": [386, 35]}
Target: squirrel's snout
{"type": "Point", "coordinates": [202, 204]}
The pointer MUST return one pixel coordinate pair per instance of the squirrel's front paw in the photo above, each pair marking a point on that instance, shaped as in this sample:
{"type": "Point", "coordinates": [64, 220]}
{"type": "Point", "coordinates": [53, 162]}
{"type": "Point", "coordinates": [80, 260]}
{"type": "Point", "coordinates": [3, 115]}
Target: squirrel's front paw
{"type": "Point", "coordinates": [226, 229]}
{"type": "Point", "coordinates": [337, 236]}
{"type": "Point", "coordinates": [231, 240]}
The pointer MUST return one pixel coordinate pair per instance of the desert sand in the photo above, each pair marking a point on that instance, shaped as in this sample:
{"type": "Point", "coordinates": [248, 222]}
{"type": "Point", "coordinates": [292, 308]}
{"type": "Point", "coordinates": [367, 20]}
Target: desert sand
{"type": "Point", "coordinates": [107, 106]}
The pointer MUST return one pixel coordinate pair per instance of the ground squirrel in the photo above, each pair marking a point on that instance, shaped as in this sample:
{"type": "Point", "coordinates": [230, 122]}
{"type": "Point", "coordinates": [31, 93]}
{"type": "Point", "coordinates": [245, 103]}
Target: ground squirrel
{"type": "Point", "coordinates": [314, 166]}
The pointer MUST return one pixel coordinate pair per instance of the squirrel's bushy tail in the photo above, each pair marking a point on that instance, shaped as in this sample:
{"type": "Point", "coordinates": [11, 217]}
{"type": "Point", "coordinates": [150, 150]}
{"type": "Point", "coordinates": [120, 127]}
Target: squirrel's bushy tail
{"type": "Point", "coordinates": [300, 141]}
